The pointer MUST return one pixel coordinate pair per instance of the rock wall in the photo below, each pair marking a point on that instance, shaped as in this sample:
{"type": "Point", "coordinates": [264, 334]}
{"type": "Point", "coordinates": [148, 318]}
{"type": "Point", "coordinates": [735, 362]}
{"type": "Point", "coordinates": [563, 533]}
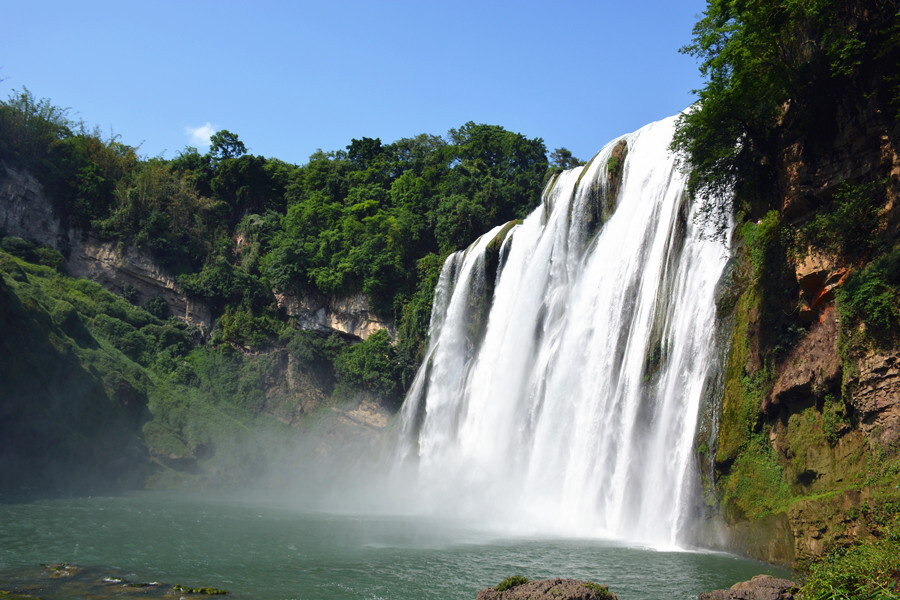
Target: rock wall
{"type": "Point", "coordinates": [876, 398]}
{"type": "Point", "coordinates": [863, 142]}
{"type": "Point", "coordinates": [831, 419]}
{"type": "Point", "coordinates": [26, 212]}
{"type": "Point", "coordinates": [116, 267]}
{"type": "Point", "coordinates": [352, 316]}
{"type": "Point", "coordinates": [827, 408]}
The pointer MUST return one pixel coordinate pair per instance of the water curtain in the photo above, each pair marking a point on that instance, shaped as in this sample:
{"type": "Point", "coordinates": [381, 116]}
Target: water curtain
{"type": "Point", "coordinates": [569, 355]}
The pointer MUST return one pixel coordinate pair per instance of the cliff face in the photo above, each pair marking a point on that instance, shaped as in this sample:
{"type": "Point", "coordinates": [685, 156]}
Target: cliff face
{"type": "Point", "coordinates": [118, 269]}
{"type": "Point", "coordinates": [809, 427]}
{"type": "Point", "coordinates": [352, 316]}
{"type": "Point", "coordinates": [27, 212]}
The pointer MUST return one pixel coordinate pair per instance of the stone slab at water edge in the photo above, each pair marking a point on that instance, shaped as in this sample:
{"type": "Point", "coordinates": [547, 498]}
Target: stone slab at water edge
{"type": "Point", "coordinates": [761, 587]}
{"type": "Point", "coordinates": [547, 589]}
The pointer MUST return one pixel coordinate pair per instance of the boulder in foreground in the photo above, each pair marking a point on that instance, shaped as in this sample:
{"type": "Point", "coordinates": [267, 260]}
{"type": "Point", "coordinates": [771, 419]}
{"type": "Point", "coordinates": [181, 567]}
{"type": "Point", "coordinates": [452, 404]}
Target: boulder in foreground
{"type": "Point", "coordinates": [550, 589]}
{"type": "Point", "coordinates": [761, 587]}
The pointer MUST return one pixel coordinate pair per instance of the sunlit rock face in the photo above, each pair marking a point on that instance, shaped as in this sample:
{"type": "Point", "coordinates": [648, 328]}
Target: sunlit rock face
{"type": "Point", "coordinates": [350, 315]}
{"type": "Point", "coordinates": [568, 361]}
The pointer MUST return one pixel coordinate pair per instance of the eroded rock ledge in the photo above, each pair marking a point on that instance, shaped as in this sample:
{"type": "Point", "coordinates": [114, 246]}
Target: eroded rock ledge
{"type": "Point", "coordinates": [352, 315]}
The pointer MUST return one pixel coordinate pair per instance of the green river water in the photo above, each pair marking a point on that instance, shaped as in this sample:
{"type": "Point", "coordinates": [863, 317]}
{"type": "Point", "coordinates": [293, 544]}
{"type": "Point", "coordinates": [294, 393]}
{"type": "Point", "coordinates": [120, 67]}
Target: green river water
{"type": "Point", "coordinates": [269, 552]}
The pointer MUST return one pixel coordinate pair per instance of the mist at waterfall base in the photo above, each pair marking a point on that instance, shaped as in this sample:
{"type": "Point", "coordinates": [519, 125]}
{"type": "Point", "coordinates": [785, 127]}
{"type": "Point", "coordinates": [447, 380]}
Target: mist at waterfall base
{"type": "Point", "coordinates": [570, 357]}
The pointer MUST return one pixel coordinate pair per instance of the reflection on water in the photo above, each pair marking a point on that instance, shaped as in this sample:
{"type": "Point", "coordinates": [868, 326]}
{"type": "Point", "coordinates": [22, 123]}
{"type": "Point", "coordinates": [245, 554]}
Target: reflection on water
{"type": "Point", "coordinates": [274, 552]}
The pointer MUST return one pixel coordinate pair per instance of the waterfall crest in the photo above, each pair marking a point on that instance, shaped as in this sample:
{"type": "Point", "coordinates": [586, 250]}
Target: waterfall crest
{"type": "Point", "coordinates": [568, 358]}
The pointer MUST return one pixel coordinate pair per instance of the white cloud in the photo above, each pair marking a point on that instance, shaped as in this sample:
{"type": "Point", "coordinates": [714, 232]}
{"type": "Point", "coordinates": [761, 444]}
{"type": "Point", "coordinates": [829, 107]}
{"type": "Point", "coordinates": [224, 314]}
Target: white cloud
{"type": "Point", "coordinates": [200, 135]}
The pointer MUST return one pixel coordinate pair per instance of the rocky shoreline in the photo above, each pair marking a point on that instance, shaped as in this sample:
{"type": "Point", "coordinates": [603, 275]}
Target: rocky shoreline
{"type": "Point", "coordinates": [761, 587]}
{"type": "Point", "coordinates": [63, 580]}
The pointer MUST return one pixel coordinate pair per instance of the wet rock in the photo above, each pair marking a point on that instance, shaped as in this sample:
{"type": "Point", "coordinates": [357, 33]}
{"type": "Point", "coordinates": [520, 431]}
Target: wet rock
{"type": "Point", "coordinates": [822, 523]}
{"type": "Point", "coordinates": [57, 570]}
{"type": "Point", "coordinates": [761, 587]}
{"type": "Point", "coordinates": [99, 583]}
{"type": "Point", "coordinates": [550, 589]}
{"type": "Point", "coordinates": [203, 591]}
{"type": "Point", "coordinates": [614, 168]}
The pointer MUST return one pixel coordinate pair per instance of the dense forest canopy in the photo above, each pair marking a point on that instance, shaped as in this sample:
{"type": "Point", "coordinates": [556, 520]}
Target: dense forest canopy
{"type": "Point", "coordinates": [373, 218]}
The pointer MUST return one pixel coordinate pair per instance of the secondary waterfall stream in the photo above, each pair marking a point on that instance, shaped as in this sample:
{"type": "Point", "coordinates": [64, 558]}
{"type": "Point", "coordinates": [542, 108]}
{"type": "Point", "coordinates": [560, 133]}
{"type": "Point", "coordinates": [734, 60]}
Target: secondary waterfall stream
{"type": "Point", "coordinates": [569, 355]}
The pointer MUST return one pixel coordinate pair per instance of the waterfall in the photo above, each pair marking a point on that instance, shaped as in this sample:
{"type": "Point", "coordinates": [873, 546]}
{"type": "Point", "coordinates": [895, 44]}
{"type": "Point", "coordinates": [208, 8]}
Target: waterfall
{"type": "Point", "coordinates": [568, 358]}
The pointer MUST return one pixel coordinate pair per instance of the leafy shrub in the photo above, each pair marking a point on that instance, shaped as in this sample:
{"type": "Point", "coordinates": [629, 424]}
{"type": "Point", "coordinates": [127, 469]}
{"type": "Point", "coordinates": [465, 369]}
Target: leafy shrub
{"type": "Point", "coordinates": [851, 224]}
{"type": "Point", "coordinates": [371, 365]}
{"type": "Point", "coordinates": [157, 307]}
{"type": "Point", "coordinates": [311, 347]}
{"type": "Point", "coordinates": [510, 582]}
{"type": "Point", "coordinates": [220, 283]}
{"type": "Point", "coordinates": [866, 571]}
{"type": "Point", "coordinates": [111, 328]}
{"type": "Point", "coordinates": [872, 296]}
{"type": "Point", "coordinates": [602, 591]}
{"type": "Point", "coordinates": [33, 252]}
{"type": "Point", "coordinates": [612, 165]}
{"type": "Point", "coordinates": [242, 327]}
{"type": "Point", "coordinates": [764, 242]}
{"type": "Point", "coordinates": [129, 293]}
{"type": "Point", "coordinates": [67, 319]}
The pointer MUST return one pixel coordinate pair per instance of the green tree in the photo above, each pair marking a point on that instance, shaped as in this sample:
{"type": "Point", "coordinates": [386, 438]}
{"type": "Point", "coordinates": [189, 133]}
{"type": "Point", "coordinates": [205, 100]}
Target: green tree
{"type": "Point", "coordinates": [562, 158]}
{"type": "Point", "coordinates": [29, 127]}
{"type": "Point", "coordinates": [225, 145]}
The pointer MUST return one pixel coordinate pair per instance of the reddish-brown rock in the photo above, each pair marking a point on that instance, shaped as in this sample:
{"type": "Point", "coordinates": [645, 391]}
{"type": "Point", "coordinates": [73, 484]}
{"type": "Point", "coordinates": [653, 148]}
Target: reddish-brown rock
{"type": "Point", "coordinates": [812, 366]}
{"type": "Point", "coordinates": [818, 277]}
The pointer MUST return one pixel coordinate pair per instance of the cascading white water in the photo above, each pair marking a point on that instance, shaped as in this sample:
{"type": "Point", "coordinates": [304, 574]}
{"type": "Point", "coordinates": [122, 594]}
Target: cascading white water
{"type": "Point", "coordinates": [561, 388]}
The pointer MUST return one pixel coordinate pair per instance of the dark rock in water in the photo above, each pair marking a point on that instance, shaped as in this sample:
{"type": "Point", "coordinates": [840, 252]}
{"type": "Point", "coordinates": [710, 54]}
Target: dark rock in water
{"type": "Point", "coordinates": [547, 589]}
{"type": "Point", "coordinates": [761, 587]}
{"type": "Point", "coordinates": [57, 570]}
{"type": "Point", "coordinates": [63, 581]}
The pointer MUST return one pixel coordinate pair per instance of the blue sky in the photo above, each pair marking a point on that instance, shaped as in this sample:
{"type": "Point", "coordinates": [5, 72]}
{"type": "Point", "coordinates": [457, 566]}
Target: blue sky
{"type": "Point", "coordinates": [291, 77]}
